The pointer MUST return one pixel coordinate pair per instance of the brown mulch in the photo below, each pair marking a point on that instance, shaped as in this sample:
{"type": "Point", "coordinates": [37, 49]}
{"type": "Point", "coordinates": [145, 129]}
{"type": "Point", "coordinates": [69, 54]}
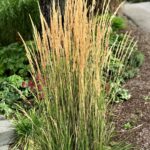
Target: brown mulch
{"type": "Point", "coordinates": [137, 109]}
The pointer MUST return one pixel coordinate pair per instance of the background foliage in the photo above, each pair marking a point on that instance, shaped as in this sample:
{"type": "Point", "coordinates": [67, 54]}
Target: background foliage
{"type": "Point", "coordinates": [13, 60]}
{"type": "Point", "coordinates": [14, 18]}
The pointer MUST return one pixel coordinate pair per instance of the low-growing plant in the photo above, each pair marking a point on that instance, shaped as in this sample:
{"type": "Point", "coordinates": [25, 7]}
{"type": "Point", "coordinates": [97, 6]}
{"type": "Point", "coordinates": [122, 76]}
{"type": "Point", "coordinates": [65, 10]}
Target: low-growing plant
{"type": "Point", "coordinates": [5, 109]}
{"type": "Point", "coordinates": [25, 127]}
{"type": "Point", "coordinates": [130, 73]}
{"type": "Point", "coordinates": [136, 60]}
{"type": "Point", "coordinates": [128, 126]}
{"type": "Point", "coordinates": [13, 92]}
{"type": "Point", "coordinates": [133, 64]}
{"type": "Point", "coordinates": [147, 98]}
{"type": "Point", "coordinates": [114, 66]}
{"type": "Point", "coordinates": [118, 93]}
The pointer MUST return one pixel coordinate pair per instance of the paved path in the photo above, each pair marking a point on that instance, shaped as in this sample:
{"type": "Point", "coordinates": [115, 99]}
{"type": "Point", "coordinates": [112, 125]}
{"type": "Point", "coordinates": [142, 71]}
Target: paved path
{"type": "Point", "coordinates": [139, 13]}
{"type": "Point", "coordinates": [6, 133]}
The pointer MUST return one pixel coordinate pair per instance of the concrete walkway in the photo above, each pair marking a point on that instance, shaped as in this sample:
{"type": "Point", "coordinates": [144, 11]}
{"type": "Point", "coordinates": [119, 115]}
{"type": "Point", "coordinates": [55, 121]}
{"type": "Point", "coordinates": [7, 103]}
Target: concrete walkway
{"type": "Point", "coordinates": [7, 133]}
{"type": "Point", "coordinates": [139, 13]}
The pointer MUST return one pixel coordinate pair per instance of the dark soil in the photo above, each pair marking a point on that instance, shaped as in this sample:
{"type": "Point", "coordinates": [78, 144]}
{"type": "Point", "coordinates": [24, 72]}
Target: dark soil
{"type": "Point", "coordinates": [136, 111]}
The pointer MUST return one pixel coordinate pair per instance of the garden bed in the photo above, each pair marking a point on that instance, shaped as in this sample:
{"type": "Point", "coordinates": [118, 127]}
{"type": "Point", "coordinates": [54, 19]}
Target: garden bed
{"type": "Point", "coordinates": [132, 117]}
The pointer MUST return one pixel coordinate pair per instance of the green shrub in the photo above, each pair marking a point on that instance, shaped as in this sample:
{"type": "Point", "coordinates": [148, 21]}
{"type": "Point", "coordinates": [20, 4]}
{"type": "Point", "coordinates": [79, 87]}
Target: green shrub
{"type": "Point", "coordinates": [137, 59]}
{"type": "Point", "coordinates": [118, 23]}
{"type": "Point", "coordinates": [14, 18]}
{"type": "Point", "coordinates": [130, 72]}
{"type": "Point", "coordinates": [132, 67]}
{"type": "Point", "coordinates": [13, 60]}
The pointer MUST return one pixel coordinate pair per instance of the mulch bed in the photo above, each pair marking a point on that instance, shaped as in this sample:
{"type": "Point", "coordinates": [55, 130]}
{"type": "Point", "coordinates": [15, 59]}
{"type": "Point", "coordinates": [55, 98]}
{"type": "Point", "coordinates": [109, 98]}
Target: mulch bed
{"type": "Point", "coordinates": [136, 110]}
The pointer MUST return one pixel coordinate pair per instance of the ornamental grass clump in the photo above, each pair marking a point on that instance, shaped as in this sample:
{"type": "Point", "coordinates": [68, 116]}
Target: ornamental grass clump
{"type": "Point", "coordinates": [69, 58]}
